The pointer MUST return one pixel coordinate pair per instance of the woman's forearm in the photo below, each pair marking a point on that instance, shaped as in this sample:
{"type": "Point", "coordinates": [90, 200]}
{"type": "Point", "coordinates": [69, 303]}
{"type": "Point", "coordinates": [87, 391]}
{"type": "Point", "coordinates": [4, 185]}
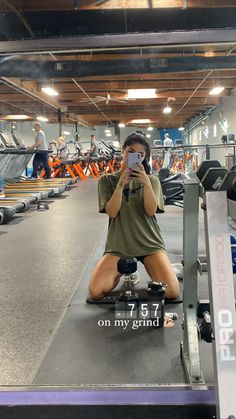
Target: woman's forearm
{"type": "Point", "coordinates": [150, 202]}
{"type": "Point", "coordinates": [113, 206]}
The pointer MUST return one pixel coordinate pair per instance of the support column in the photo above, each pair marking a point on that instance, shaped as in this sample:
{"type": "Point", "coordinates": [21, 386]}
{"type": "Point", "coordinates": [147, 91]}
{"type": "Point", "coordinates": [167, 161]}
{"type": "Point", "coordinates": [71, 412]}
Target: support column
{"type": "Point", "coordinates": [59, 122]}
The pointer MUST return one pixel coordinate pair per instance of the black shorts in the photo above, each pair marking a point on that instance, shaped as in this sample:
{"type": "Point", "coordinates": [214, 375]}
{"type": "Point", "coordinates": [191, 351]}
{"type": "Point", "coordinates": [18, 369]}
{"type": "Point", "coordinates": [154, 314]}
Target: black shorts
{"type": "Point", "coordinates": [141, 258]}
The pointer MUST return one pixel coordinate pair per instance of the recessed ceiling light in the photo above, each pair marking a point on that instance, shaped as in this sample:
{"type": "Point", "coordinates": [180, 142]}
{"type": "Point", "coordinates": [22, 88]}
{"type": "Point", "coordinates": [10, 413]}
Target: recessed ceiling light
{"type": "Point", "coordinates": [140, 121]}
{"type": "Point", "coordinates": [150, 128]}
{"type": "Point", "coordinates": [108, 130]}
{"type": "Point", "coordinates": [41, 118]}
{"type": "Point", "coordinates": [121, 125]}
{"type": "Point", "coordinates": [66, 132]}
{"type": "Point", "coordinates": [49, 91]}
{"type": "Point", "coordinates": [148, 135]}
{"type": "Point", "coordinates": [216, 90]}
{"type": "Point", "coordinates": [108, 134]}
{"type": "Point", "coordinates": [141, 93]}
{"type": "Point", "coordinates": [181, 128]}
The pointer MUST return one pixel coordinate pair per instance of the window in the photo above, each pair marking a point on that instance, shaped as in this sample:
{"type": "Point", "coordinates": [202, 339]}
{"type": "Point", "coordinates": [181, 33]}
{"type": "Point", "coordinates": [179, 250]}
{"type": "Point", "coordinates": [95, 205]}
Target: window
{"type": "Point", "coordinates": [205, 132]}
{"type": "Point", "coordinates": [215, 131]}
{"type": "Point", "coordinates": [226, 125]}
{"type": "Point", "coordinates": [200, 135]}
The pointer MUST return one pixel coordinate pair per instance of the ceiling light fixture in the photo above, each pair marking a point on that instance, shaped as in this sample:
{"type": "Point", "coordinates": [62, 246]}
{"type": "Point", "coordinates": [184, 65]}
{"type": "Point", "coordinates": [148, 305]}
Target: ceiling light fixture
{"type": "Point", "coordinates": [108, 134]}
{"type": "Point", "coordinates": [167, 109]}
{"type": "Point", "coordinates": [181, 128]}
{"type": "Point", "coordinates": [140, 121]}
{"type": "Point", "coordinates": [121, 125]}
{"type": "Point", "coordinates": [13, 117]}
{"type": "Point", "coordinates": [107, 131]}
{"type": "Point", "coordinates": [66, 132]}
{"type": "Point", "coordinates": [116, 143]}
{"type": "Point", "coordinates": [148, 135]}
{"type": "Point", "coordinates": [150, 128]}
{"type": "Point", "coordinates": [49, 91]}
{"type": "Point", "coordinates": [42, 118]}
{"type": "Point", "coordinates": [141, 93]}
{"type": "Point", "coordinates": [209, 54]}
{"type": "Point", "coordinates": [216, 90]}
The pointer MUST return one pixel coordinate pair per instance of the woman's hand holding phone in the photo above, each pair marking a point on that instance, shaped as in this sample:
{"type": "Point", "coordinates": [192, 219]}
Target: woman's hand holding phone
{"type": "Point", "coordinates": [140, 175]}
{"type": "Point", "coordinates": [124, 178]}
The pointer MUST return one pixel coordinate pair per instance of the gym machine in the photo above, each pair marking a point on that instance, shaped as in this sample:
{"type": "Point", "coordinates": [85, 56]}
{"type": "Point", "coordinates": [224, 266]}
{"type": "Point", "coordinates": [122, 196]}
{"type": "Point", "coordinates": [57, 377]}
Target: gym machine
{"type": "Point", "coordinates": [172, 186]}
{"type": "Point", "coordinates": [215, 177]}
{"type": "Point", "coordinates": [220, 325]}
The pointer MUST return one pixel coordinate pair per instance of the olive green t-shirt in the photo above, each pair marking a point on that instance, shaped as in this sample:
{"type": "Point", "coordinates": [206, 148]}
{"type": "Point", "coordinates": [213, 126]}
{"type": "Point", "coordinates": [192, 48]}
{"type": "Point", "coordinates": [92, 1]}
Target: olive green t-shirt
{"type": "Point", "coordinates": [132, 232]}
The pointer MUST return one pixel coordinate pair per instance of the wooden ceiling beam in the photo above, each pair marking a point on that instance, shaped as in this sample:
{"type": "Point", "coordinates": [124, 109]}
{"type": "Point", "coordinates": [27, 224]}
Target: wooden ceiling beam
{"type": "Point", "coordinates": [131, 55]}
{"type": "Point", "coordinates": [67, 90]}
{"type": "Point", "coordinates": [62, 5]}
{"type": "Point", "coordinates": [30, 89]}
{"type": "Point", "coordinates": [121, 113]}
{"type": "Point", "coordinates": [187, 75]}
{"type": "Point", "coordinates": [149, 103]}
{"type": "Point", "coordinates": [210, 100]}
{"type": "Point", "coordinates": [15, 97]}
{"type": "Point", "coordinates": [160, 95]}
{"type": "Point", "coordinates": [125, 85]}
{"type": "Point", "coordinates": [117, 117]}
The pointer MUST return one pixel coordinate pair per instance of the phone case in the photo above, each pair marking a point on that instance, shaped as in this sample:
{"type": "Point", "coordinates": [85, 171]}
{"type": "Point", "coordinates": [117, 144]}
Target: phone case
{"type": "Point", "coordinates": [133, 160]}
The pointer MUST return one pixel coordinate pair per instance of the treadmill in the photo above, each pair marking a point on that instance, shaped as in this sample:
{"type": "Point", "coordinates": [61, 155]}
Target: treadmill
{"type": "Point", "coordinates": [21, 146]}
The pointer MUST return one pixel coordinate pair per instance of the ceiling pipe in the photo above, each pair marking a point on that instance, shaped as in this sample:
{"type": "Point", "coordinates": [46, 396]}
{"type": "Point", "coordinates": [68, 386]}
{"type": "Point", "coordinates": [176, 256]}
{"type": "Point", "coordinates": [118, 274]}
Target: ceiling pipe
{"type": "Point", "coordinates": [15, 106]}
{"type": "Point", "coordinates": [208, 112]}
{"type": "Point", "coordinates": [86, 94]}
{"type": "Point", "coordinates": [190, 97]}
{"type": "Point", "coordinates": [12, 84]}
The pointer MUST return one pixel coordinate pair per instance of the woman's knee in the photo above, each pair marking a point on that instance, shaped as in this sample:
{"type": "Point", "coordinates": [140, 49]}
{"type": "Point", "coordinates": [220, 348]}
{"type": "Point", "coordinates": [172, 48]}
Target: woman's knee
{"type": "Point", "coordinates": [105, 277]}
{"type": "Point", "coordinates": [172, 291]}
{"type": "Point", "coordinates": [95, 291]}
{"type": "Point", "coordinates": [159, 269]}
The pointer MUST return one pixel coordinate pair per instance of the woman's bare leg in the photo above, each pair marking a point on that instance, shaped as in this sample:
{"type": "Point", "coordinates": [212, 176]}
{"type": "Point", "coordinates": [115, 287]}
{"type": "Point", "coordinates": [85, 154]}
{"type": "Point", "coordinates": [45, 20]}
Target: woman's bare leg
{"type": "Point", "coordinates": [159, 269]}
{"type": "Point", "coordinates": [105, 276]}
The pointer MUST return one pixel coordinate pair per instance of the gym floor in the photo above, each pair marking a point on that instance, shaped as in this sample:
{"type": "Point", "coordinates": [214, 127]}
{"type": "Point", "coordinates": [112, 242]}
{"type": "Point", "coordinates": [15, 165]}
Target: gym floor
{"type": "Point", "coordinates": [49, 335]}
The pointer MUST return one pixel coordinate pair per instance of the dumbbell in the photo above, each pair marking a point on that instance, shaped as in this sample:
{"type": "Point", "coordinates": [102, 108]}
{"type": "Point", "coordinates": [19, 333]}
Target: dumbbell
{"type": "Point", "coordinates": [126, 267]}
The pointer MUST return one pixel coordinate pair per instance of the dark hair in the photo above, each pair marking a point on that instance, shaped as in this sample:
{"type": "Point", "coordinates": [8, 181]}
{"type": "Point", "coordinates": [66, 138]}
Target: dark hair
{"type": "Point", "coordinates": [140, 132]}
{"type": "Point", "coordinates": [141, 139]}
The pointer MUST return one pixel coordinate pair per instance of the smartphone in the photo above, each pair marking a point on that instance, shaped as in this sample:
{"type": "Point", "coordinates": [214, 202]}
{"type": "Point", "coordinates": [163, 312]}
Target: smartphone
{"type": "Point", "coordinates": [133, 160]}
